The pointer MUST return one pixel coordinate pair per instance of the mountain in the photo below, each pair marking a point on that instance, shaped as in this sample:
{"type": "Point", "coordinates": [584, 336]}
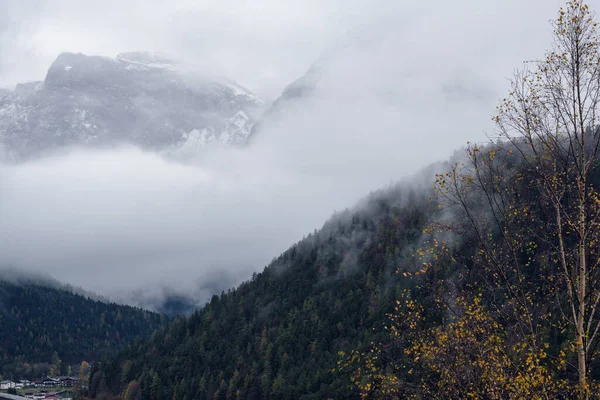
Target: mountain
{"type": "Point", "coordinates": [301, 89]}
{"type": "Point", "coordinates": [42, 322]}
{"type": "Point", "coordinates": [147, 100]}
{"type": "Point", "coordinates": [370, 70]}
{"type": "Point", "coordinates": [380, 282]}
{"type": "Point", "coordinates": [277, 336]}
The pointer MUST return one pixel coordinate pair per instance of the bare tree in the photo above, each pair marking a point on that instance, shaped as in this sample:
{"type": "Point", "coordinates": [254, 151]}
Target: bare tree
{"type": "Point", "coordinates": [549, 126]}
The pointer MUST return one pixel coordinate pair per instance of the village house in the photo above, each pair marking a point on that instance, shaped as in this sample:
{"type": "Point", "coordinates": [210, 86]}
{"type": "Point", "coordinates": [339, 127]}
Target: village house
{"type": "Point", "coordinates": [45, 395]}
{"type": "Point", "coordinates": [37, 395]}
{"type": "Point", "coordinates": [5, 385]}
{"type": "Point", "coordinates": [68, 381]}
{"type": "Point", "coordinates": [49, 383]}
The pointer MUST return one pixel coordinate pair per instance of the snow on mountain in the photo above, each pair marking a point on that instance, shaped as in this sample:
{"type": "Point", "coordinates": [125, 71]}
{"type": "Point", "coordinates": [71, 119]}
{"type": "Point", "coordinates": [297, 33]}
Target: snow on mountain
{"type": "Point", "coordinates": [139, 98]}
{"type": "Point", "coordinates": [236, 132]}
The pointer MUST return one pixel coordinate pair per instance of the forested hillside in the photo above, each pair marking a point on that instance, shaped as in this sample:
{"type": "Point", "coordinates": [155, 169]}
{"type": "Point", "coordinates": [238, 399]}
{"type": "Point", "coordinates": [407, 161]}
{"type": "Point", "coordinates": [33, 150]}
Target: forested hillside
{"type": "Point", "coordinates": [47, 330]}
{"type": "Point", "coordinates": [383, 301]}
{"type": "Point", "coordinates": [484, 286]}
{"type": "Point", "coordinates": [278, 335]}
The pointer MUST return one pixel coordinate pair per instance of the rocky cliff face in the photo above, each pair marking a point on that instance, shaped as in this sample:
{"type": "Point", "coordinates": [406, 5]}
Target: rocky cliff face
{"type": "Point", "coordinates": [135, 98]}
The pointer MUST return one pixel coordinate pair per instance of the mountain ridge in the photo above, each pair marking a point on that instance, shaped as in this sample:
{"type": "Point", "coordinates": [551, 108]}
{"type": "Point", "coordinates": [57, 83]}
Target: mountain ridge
{"type": "Point", "coordinates": [139, 98]}
{"type": "Point", "coordinates": [278, 334]}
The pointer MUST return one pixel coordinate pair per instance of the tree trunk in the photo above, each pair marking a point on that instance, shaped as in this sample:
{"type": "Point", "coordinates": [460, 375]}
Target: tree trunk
{"type": "Point", "coordinates": [581, 350]}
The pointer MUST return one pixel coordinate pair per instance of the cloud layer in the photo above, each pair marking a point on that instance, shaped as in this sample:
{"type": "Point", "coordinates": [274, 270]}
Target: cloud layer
{"type": "Point", "coordinates": [263, 44]}
{"type": "Point", "coordinates": [402, 86]}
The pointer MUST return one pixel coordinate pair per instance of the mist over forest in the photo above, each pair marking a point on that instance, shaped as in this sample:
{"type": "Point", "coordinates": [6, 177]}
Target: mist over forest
{"type": "Point", "coordinates": [268, 199]}
{"type": "Point", "coordinates": [122, 220]}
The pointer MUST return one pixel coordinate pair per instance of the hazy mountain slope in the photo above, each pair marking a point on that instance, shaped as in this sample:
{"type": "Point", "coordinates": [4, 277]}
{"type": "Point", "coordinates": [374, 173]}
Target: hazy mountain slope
{"type": "Point", "coordinates": [37, 320]}
{"type": "Point", "coordinates": [143, 99]}
{"type": "Point", "coordinates": [370, 72]}
{"type": "Point", "coordinates": [278, 335]}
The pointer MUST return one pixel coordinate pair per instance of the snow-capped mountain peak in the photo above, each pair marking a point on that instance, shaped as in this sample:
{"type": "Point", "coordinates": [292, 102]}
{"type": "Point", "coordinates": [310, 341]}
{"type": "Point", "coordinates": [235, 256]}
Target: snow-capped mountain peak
{"type": "Point", "coordinates": [138, 98]}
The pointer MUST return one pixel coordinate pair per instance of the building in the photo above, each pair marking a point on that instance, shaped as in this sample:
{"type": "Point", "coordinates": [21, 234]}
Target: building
{"type": "Point", "coordinates": [68, 381]}
{"type": "Point", "coordinates": [36, 395]}
{"type": "Point", "coordinates": [5, 385]}
{"type": "Point", "coordinates": [49, 383]}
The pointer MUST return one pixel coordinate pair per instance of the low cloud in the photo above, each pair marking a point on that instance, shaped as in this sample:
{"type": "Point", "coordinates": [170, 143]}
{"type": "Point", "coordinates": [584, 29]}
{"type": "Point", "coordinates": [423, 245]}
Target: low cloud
{"type": "Point", "coordinates": [263, 44]}
{"type": "Point", "coordinates": [133, 225]}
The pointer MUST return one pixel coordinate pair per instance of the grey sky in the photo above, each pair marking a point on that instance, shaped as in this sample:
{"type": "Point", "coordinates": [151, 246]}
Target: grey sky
{"type": "Point", "coordinates": [263, 44]}
{"type": "Point", "coordinates": [405, 84]}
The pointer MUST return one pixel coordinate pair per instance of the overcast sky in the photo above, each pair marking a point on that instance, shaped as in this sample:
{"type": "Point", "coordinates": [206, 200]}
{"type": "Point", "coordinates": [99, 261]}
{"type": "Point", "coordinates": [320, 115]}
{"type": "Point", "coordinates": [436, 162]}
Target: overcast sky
{"type": "Point", "coordinates": [404, 84]}
{"type": "Point", "coordinates": [263, 44]}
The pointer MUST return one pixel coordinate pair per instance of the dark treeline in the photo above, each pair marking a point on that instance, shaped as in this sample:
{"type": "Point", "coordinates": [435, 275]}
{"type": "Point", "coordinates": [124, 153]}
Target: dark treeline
{"type": "Point", "coordinates": [286, 333]}
{"type": "Point", "coordinates": [49, 331]}
{"type": "Point", "coordinates": [278, 335]}
{"type": "Point", "coordinates": [486, 287]}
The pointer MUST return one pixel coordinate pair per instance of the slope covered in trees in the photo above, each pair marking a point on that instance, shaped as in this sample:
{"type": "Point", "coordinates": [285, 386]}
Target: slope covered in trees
{"type": "Point", "coordinates": [47, 330]}
{"type": "Point", "coordinates": [527, 324]}
{"type": "Point", "coordinates": [384, 296]}
{"type": "Point", "coordinates": [491, 289]}
{"type": "Point", "coordinates": [278, 335]}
